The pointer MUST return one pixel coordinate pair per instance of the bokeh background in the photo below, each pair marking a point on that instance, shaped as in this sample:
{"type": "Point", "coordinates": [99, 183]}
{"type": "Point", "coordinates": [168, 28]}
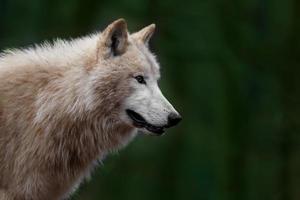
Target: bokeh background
{"type": "Point", "coordinates": [230, 67]}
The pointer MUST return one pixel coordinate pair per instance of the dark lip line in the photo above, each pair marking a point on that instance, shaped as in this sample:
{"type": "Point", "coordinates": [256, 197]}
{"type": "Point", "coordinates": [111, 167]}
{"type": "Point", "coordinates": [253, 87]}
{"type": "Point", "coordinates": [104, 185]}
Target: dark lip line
{"type": "Point", "coordinates": [140, 122]}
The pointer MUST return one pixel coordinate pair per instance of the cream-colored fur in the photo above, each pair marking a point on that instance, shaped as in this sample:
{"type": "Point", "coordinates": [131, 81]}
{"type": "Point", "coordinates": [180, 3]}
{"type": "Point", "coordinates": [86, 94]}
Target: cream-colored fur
{"type": "Point", "coordinates": [60, 108]}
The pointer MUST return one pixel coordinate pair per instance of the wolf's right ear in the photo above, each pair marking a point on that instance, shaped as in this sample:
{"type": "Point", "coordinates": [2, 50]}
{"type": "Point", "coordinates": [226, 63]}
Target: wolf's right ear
{"type": "Point", "coordinates": [113, 40]}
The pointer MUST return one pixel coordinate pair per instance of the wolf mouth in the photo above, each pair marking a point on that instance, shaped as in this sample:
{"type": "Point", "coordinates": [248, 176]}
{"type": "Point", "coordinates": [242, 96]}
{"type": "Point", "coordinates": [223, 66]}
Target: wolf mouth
{"type": "Point", "coordinates": [140, 122]}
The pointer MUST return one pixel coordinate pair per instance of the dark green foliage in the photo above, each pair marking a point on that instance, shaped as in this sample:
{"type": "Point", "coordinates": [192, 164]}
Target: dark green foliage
{"type": "Point", "coordinates": [230, 67]}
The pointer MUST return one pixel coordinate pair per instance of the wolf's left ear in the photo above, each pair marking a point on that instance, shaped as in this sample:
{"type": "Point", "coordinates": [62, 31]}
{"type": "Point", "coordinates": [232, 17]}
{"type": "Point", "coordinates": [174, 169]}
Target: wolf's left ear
{"type": "Point", "coordinates": [114, 39]}
{"type": "Point", "coordinates": [145, 34]}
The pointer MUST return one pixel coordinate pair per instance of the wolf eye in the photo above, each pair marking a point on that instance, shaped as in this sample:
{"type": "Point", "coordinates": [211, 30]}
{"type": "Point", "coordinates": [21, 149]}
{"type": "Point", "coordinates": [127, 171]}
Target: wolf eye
{"type": "Point", "coordinates": [140, 79]}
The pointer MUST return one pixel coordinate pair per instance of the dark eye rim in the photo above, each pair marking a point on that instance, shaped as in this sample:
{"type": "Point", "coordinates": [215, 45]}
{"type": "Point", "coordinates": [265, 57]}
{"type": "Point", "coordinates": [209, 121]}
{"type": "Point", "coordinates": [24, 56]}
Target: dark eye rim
{"type": "Point", "coordinates": [140, 79]}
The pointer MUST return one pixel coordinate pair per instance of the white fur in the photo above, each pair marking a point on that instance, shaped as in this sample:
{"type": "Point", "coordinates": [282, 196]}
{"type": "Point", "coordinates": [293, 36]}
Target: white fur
{"type": "Point", "coordinates": [63, 108]}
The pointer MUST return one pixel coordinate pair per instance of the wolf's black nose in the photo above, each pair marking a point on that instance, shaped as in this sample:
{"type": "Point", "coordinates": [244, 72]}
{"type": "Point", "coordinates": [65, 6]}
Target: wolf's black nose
{"type": "Point", "coordinates": [174, 119]}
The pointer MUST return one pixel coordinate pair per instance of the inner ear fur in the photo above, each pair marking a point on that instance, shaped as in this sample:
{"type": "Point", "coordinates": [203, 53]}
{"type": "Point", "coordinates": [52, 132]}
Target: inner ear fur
{"type": "Point", "coordinates": [114, 39]}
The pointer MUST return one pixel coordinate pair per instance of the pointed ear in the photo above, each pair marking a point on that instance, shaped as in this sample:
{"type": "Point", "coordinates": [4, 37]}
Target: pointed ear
{"type": "Point", "coordinates": [114, 39]}
{"type": "Point", "coordinates": [145, 34]}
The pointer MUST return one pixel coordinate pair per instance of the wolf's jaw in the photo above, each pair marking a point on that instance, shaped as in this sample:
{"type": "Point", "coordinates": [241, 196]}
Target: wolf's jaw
{"type": "Point", "coordinates": [140, 123]}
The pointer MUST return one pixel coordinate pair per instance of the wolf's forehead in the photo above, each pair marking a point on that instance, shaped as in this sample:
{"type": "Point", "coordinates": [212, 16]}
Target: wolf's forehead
{"type": "Point", "coordinates": [152, 65]}
{"type": "Point", "coordinates": [147, 61]}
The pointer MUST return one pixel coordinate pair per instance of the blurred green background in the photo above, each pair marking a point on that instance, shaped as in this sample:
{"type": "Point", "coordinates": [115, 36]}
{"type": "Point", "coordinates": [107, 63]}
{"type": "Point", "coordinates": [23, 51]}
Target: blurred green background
{"type": "Point", "coordinates": [230, 67]}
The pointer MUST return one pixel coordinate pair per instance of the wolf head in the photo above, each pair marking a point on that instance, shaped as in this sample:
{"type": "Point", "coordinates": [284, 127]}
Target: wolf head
{"type": "Point", "coordinates": [132, 72]}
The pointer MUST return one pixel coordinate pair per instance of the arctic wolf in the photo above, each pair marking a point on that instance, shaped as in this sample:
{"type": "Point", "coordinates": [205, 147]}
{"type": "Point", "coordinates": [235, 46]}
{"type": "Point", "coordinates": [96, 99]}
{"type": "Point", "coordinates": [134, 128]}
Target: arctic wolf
{"type": "Point", "coordinates": [64, 106]}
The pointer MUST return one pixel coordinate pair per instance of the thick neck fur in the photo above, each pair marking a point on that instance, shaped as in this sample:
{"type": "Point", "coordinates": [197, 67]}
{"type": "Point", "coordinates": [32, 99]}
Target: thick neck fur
{"type": "Point", "coordinates": [68, 122]}
{"type": "Point", "coordinates": [76, 114]}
